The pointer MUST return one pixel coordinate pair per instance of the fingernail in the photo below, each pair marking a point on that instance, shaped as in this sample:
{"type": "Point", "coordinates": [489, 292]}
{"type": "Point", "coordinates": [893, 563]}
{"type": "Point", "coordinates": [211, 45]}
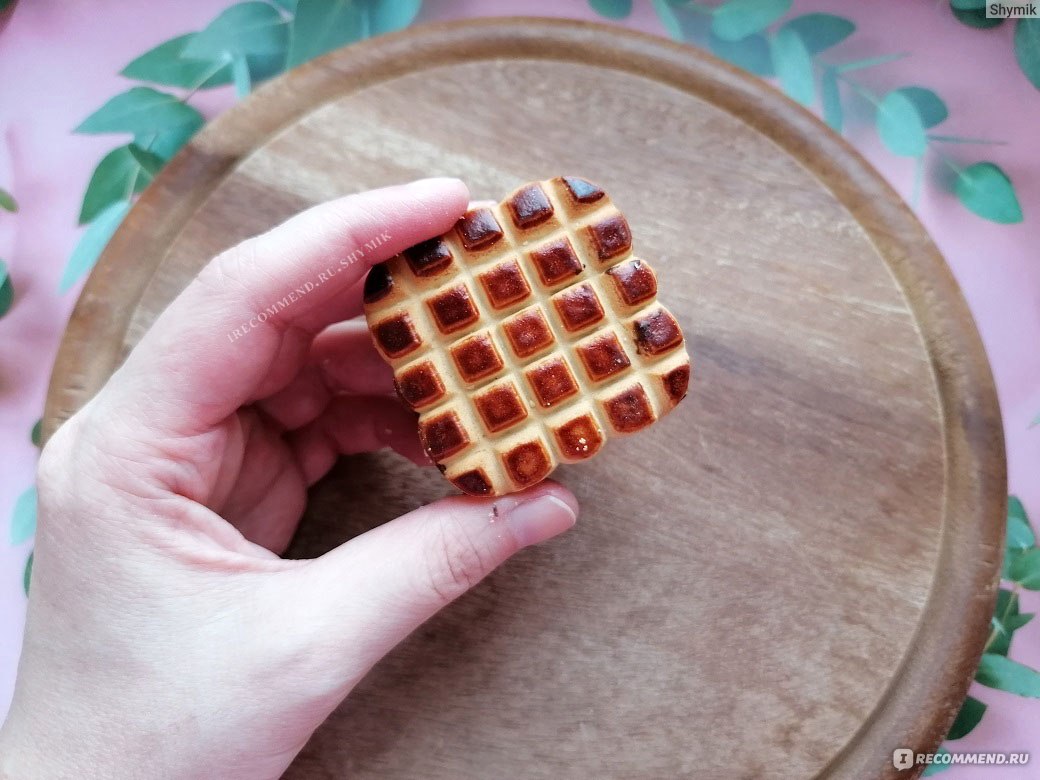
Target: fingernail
{"type": "Point", "coordinates": [435, 184]}
{"type": "Point", "coordinates": [540, 518]}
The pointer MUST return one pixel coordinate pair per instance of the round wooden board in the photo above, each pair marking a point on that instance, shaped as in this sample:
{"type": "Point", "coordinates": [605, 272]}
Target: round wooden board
{"type": "Point", "coordinates": [788, 577]}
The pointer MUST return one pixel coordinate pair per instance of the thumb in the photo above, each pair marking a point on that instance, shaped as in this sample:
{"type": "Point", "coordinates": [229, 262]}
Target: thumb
{"type": "Point", "coordinates": [378, 588]}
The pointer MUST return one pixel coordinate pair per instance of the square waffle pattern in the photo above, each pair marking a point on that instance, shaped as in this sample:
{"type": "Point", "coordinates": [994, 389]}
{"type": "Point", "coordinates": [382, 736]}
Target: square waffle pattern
{"type": "Point", "coordinates": [527, 336]}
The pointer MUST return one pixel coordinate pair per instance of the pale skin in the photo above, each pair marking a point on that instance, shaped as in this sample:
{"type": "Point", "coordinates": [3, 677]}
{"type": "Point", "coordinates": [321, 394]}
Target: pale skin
{"type": "Point", "coordinates": [166, 638]}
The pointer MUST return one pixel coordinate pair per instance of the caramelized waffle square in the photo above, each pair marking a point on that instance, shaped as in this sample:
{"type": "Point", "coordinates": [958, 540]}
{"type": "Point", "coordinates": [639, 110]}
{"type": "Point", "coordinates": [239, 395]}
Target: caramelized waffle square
{"type": "Point", "coordinates": [527, 336]}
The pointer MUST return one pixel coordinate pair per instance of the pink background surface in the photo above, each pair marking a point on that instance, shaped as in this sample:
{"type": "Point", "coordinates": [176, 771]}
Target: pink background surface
{"type": "Point", "coordinates": [59, 60]}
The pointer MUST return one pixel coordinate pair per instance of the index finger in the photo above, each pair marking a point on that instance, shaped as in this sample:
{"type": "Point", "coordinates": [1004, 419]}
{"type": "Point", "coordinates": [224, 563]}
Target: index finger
{"type": "Point", "coordinates": [244, 324]}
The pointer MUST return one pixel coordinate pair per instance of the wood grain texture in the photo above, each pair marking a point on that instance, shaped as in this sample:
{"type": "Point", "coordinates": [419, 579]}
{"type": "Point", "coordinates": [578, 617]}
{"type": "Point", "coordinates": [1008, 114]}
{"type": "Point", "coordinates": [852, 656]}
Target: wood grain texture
{"type": "Point", "coordinates": [788, 577]}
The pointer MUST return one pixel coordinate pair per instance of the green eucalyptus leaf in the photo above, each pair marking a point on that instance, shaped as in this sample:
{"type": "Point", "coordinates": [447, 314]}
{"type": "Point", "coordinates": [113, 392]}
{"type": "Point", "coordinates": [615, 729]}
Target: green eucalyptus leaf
{"type": "Point", "coordinates": [986, 190]}
{"type": "Point", "coordinates": [612, 9]}
{"type": "Point", "coordinates": [1027, 48]}
{"type": "Point", "coordinates": [7, 201]}
{"type": "Point", "coordinates": [149, 162]}
{"type": "Point", "coordinates": [1011, 555]}
{"type": "Point", "coordinates": [999, 645]}
{"type": "Point", "coordinates": [6, 290]}
{"type": "Point", "coordinates": [165, 65]}
{"type": "Point", "coordinates": [116, 177]}
{"type": "Point", "coordinates": [930, 107]}
{"type": "Point", "coordinates": [738, 19]}
{"type": "Point", "coordinates": [820, 31]}
{"type": "Point", "coordinates": [830, 94]}
{"type": "Point", "coordinates": [140, 110]}
{"type": "Point", "coordinates": [968, 5]}
{"type": "Point", "coordinates": [27, 574]}
{"type": "Point", "coordinates": [167, 143]}
{"type": "Point", "coordinates": [288, 5]}
{"type": "Point", "coordinates": [1035, 422]}
{"type": "Point", "coordinates": [968, 718]}
{"type": "Point", "coordinates": [264, 66]}
{"type": "Point", "coordinates": [36, 435]}
{"type": "Point", "coordinates": [23, 520]}
{"type": "Point", "coordinates": [936, 767]}
{"type": "Point", "coordinates": [1007, 603]}
{"type": "Point", "coordinates": [997, 671]}
{"type": "Point", "coordinates": [750, 53]}
{"type": "Point", "coordinates": [669, 20]}
{"type": "Point", "coordinates": [321, 26]}
{"type": "Point", "coordinates": [1020, 533]}
{"type": "Point", "coordinates": [976, 17]}
{"type": "Point", "coordinates": [92, 243]}
{"type": "Point", "coordinates": [793, 65]}
{"type": "Point", "coordinates": [1025, 569]}
{"type": "Point", "coordinates": [242, 29]}
{"type": "Point", "coordinates": [386, 16]}
{"type": "Point", "coordinates": [1016, 622]}
{"type": "Point", "coordinates": [900, 126]}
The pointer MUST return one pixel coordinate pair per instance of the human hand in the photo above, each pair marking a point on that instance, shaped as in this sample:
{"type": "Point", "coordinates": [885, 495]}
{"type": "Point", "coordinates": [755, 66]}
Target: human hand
{"type": "Point", "coordinates": [165, 637]}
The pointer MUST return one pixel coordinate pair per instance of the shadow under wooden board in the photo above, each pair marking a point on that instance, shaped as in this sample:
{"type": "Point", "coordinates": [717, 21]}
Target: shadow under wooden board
{"type": "Point", "coordinates": [792, 574]}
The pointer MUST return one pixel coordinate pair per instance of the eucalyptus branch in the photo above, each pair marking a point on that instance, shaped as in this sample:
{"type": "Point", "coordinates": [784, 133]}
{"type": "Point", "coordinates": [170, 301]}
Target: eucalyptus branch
{"type": "Point", "coordinates": [248, 34]}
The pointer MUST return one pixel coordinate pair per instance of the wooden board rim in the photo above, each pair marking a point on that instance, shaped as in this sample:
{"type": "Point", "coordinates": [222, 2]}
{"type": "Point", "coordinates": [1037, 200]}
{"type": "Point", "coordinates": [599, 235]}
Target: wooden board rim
{"type": "Point", "coordinates": [926, 691]}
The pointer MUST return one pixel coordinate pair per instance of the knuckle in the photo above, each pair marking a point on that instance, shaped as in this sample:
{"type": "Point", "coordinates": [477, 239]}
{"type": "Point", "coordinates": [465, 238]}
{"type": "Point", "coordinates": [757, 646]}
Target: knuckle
{"type": "Point", "coordinates": [64, 462]}
{"type": "Point", "coordinates": [226, 273]}
{"type": "Point", "coordinates": [456, 561]}
{"type": "Point", "coordinates": [58, 453]}
{"type": "Point", "coordinates": [83, 465]}
{"type": "Point", "coordinates": [241, 278]}
{"type": "Point", "coordinates": [53, 458]}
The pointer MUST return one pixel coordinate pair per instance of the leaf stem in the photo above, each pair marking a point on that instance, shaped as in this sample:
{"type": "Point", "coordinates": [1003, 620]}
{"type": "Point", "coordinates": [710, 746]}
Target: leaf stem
{"type": "Point", "coordinates": [221, 63]}
{"type": "Point", "coordinates": [707, 10]}
{"type": "Point", "coordinates": [133, 181]}
{"type": "Point", "coordinates": [863, 91]}
{"type": "Point", "coordinates": [1011, 602]}
{"type": "Point", "coordinates": [948, 162]}
{"type": "Point", "coordinates": [872, 62]}
{"type": "Point", "coordinates": [915, 195]}
{"type": "Point", "coordinates": [956, 139]}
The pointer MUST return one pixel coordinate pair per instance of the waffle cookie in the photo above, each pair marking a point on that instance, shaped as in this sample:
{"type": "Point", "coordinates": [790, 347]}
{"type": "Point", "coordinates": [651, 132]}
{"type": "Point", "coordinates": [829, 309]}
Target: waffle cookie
{"type": "Point", "coordinates": [527, 336]}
